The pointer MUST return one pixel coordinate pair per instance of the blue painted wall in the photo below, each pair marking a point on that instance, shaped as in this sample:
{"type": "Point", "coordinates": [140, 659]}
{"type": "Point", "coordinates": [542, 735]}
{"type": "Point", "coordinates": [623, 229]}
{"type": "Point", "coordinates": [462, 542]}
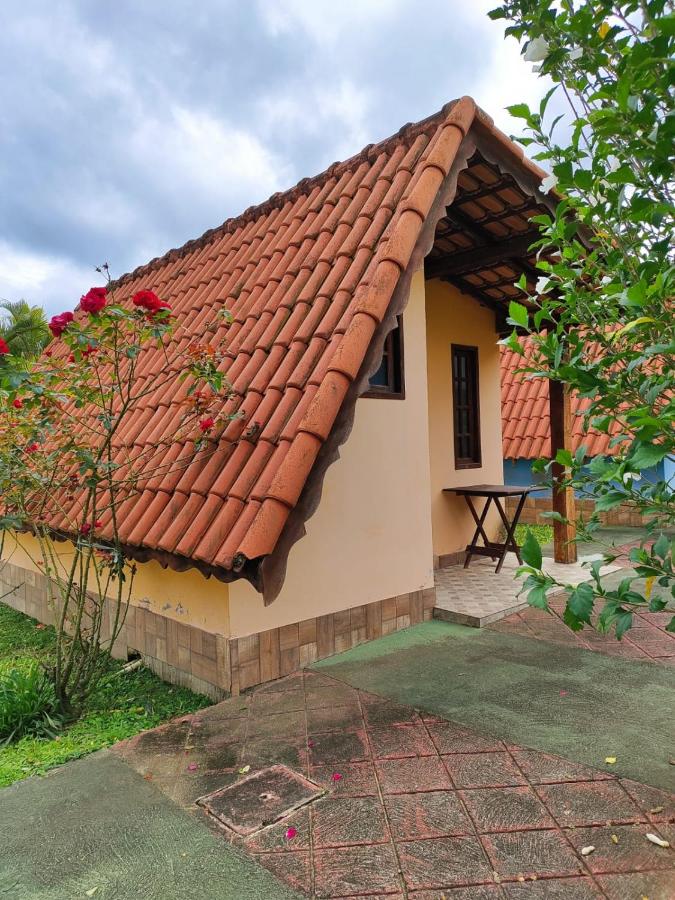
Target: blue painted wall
{"type": "Point", "coordinates": [519, 472]}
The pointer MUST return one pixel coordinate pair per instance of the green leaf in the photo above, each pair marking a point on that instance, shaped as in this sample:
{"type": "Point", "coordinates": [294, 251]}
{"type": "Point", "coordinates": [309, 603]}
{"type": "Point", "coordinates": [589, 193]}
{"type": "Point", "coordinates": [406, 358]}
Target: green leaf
{"type": "Point", "coordinates": [648, 455]}
{"type": "Point", "coordinates": [661, 547]}
{"type": "Point", "coordinates": [581, 601]}
{"type": "Point", "coordinates": [531, 551]}
{"type": "Point", "coordinates": [519, 111]}
{"type": "Point", "coordinates": [518, 314]}
{"type": "Point", "coordinates": [671, 625]}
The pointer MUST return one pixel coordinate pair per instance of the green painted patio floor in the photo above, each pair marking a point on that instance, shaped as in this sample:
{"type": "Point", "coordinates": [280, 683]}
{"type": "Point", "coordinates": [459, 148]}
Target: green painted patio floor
{"type": "Point", "coordinates": [577, 703]}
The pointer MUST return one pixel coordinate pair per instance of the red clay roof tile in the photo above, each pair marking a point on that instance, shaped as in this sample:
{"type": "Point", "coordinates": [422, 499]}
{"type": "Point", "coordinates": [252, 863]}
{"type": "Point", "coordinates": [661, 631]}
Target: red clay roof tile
{"type": "Point", "coordinates": [525, 413]}
{"type": "Point", "coordinates": [307, 277]}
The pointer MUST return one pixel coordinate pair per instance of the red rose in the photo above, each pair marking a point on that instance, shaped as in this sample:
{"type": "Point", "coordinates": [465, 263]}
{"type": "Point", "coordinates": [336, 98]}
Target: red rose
{"type": "Point", "coordinates": [207, 424]}
{"type": "Point", "coordinates": [98, 523]}
{"type": "Point", "coordinates": [85, 529]}
{"type": "Point", "coordinates": [4, 347]}
{"type": "Point", "coordinates": [88, 350]}
{"type": "Point", "coordinates": [149, 301]}
{"type": "Point", "coordinates": [31, 448]}
{"type": "Point", "coordinates": [17, 403]}
{"type": "Point", "coordinates": [71, 357]}
{"type": "Point", "coordinates": [58, 324]}
{"type": "Point", "coordinates": [94, 300]}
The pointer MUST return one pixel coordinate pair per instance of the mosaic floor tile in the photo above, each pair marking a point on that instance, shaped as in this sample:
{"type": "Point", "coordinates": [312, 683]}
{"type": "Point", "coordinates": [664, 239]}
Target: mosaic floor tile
{"type": "Point", "coordinates": [344, 870]}
{"type": "Point", "coordinates": [589, 803]}
{"type": "Point", "coordinates": [506, 809]}
{"type": "Point", "coordinates": [473, 770]}
{"type": "Point", "coordinates": [349, 820]}
{"type": "Point", "coordinates": [526, 853]}
{"type": "Point", "coordinates": [432, 814]}
{"type": "Point", "coordinates": [441, 862]}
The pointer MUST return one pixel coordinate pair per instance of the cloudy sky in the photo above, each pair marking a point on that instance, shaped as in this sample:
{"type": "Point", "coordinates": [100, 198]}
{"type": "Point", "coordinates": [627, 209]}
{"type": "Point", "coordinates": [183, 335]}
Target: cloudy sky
{"type": "Point", "coordinates": [127, 128]}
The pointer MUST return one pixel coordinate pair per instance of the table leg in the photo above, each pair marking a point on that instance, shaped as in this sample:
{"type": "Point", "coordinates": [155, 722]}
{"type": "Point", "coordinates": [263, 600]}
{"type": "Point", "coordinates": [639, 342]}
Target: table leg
{"type": "Point", "coordinates": [479, 527]}
{"type": "Point", "coordinates": [509, 542]}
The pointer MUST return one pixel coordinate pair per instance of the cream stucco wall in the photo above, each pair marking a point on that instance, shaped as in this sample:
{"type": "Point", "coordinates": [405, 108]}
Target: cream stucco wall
{"type": "Point", "coordinates": [454, 318]}
{"type": "Point", "coordinates": [187, 597]}
{"type": "Point", "coordinates": [370, 537]}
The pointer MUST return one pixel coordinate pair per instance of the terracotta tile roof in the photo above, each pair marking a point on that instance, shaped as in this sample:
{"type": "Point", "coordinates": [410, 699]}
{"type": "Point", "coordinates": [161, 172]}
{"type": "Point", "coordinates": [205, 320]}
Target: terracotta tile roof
{"type": "Point", "coordinates": [525, 413]}
{"type": "Point", "coordinates": [308, 277]}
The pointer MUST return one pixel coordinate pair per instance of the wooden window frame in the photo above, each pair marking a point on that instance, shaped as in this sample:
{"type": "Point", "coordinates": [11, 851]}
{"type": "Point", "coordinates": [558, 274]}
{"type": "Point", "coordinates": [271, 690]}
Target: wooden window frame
{"type": "Point", "coordinates": [476, 460]}
{"type": "Point", "coordinates": [396, 367]}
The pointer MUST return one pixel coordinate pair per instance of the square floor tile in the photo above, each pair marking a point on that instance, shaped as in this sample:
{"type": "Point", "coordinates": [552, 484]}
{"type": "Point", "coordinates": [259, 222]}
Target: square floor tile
{"type": "Point", "coordinates": [654, 885]}
{"type": "Point", "coordinates": [292, 867]}
{"type": "Point", "coordinates": [398, 741]}
{"type": "Point", "coordinates": [344, 870]}
{"type": "Point", "coordinates": [335, 747]}
{"type": "Point", "coordinates": [261, 752]}
{"type": "Point", "coordinates": [333, 718]}
{"type": "Point", "coordinates": [274, 702]}
{"type": "Point", "coordinates": [190, 786]}
{"type": "Point", "coordinates": [589, 803]}
{"type": "Point", "coordinates": [526, 853]}
{"type": "Point", "coordinates": [632, 852]}
{"type": "Point", "coordinates": [211, 756]}
{"type": "Point", "coordinates": [441, 862]}
{"type": "Point", "coordinates": [451, 738]}
{"type": "Point", "coordinates": [220, 731]}
{"type": "Point", "coordinates": [402, 776]}
{"type": "Point", "coordinates": [330, 695]}
{"type": "Point", "coordinates": [273, 839]}
{"type": "Point", "coordinates": [554, 889]}
{"type": "Point", "coordinates": [294, 682]}
{"type": "Point", "coordinates": [473, 770]}
{"type": "Point", "coordinates": [380, 712]}
{"type": "Point", "coordinates": [658, 806]}
{"type": "Point", "coordinates": [355, 779]}
{"type": "Point", "coordinates": [167, 739]}
{"type": "Point", "coordinates": [476, 892]}
{"type": "Point", "coordinates": [233, 708]}
{"type": "Point", "coordinates": [425, 815]}
{"type": "Point", "coordinates": [338, 821]}
{"type": "Point", "coordinates": [278, 725]}
{"type": "Point", "coordinates": [542, 768]}
{"type": "Point", "coordinates": [506, 809]}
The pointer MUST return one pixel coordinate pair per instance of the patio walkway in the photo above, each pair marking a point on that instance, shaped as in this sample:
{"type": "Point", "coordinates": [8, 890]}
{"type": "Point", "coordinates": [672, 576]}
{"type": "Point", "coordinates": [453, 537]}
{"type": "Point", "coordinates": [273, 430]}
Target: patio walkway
{"type": "Point", "coordinates": [414, 806]}
{"type": "Point", "coordinates": [477, 596]}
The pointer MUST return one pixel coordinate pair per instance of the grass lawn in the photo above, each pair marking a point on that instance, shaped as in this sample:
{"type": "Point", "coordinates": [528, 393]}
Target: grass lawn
{"type": "Point", "coordinates": [543, 533]}
{"type": "Point", "coordinates": [123, 704]}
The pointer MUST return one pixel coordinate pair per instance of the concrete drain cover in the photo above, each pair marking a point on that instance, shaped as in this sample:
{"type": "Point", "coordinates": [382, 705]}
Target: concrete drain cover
{"type": "Point", "coordinates": [260, 799]}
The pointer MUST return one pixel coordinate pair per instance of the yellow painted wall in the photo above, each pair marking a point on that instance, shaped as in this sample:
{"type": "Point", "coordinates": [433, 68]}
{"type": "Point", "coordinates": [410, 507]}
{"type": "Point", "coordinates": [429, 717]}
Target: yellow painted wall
{"type": "Point", "coordinates": [187, 597]}
{"type": "Point", "coordinates": [453, 317]}
{"type": "Point", "coordinates": [370, 537]}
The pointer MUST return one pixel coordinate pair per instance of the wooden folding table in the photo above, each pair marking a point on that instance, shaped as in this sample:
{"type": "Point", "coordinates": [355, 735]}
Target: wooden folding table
{"type": "Point", "coordinates": [492, 493]}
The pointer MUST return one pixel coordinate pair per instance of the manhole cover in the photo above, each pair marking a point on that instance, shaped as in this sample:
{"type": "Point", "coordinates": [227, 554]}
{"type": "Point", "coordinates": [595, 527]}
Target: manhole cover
{"type": "Point", "coordinates": [260, 799]}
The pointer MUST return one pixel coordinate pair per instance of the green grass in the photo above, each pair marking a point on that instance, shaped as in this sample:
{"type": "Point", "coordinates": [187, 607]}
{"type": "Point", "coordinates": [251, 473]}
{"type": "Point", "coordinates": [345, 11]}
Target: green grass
{"type": "Point", "coordinates": [121, 706]}
{"type": "Point", "coordinates": [543, 533]}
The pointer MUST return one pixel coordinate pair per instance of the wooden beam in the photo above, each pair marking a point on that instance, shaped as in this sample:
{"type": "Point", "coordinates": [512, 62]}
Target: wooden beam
{"type": "Point", "coordinates": [483, 257]}
{"type": "Point", "coordinates": [564, 548]}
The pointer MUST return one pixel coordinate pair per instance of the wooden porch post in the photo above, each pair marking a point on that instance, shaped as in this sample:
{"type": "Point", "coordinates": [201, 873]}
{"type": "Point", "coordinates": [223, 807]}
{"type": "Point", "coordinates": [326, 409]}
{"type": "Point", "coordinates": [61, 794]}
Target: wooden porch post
{"type": "Point", "coordinates": [563, 497]}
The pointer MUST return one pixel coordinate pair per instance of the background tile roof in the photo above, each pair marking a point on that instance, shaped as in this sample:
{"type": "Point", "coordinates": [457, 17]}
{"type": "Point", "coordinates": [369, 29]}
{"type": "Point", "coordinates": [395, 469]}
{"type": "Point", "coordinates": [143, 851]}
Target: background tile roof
{"type": "Point", "coordinates": [525, 413]}
{"type": "Point", "coordinates": [307, 277]}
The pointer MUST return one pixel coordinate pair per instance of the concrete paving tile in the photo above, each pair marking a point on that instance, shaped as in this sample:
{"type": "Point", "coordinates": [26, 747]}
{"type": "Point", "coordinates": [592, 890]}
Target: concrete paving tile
{"type": "Point", "coordinates": [356, 779]}
{"type": "Point", "coordinates": [400, 776]}
{"type": "Point", "coordinates": [638, 885]}
{"type": "Point", "coordinates": [444, 862]}
{"type": "Point", "coordinates": [543, 768]}
{"type": "Point", "coordinates": [274, 840]}
{"type": "Point", "coordinates": [332, 718]}
{"type": "Point", "coordinates": [338, 747]}
{"type": "Point", "coordinates": [476, 892]}
{"type": "Point", "coordinates": [340, 821]}
{"type": "Point", "coordinates": [589, 803]}
{"type": "Point", "coordinates": [292, 867]}
{"type": "Point", "coordinates": [397, 741]}
{"type": "Point", "coordinates": [526, 853]}
{"type": "Point", "coordinates": [554, 889]}
{"type": "Point", "coordinates": [506, 809]}
{"type": "Point", "coordinates": [426, 815]}
{"type": "Point", "coordinates": [656, 805]}
{"type": "Point", "coordinates": [474, 770]}
{"type": "Point", "coordinates": [274, 702]}
{"type": "Point", "coordinates": [451, 738]}
{"type": "Point", "coordinates": [632, 851]}
{"type": "Point", "coordinates": [379, 712]}
{"type": "Point", "coordinates": [341, 871]}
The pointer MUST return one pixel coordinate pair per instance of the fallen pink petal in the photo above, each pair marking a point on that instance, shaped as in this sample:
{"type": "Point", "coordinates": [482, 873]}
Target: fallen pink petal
{"type": "Point", "coordinates": [291, 833]}
{"type": "Point", "coordinates": [336, 776]}
{"type": "Point", "coordinates": [192, 767]}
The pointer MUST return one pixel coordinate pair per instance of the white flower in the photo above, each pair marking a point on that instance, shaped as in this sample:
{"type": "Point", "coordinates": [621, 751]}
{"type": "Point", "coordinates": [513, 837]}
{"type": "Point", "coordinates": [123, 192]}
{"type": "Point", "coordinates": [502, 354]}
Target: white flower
{"type": "Point", "coordinates": [537, 50]}
{"type": "Point", "coordinates": [548, 183]}
{"type": "Point", "coordinates": [576, 53]}
{"type": "Point", "coordinates": [631, 476]}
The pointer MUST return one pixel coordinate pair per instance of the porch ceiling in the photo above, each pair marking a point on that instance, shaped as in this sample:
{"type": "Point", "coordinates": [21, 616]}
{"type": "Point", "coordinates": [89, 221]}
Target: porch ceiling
{"type": "Point", "coordinates": [482, 243]}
